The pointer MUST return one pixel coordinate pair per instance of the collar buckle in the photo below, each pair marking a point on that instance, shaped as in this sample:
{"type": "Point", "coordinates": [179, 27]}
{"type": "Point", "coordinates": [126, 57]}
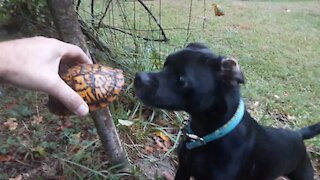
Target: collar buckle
{"type": "Point", "coordinates": [194, 138]}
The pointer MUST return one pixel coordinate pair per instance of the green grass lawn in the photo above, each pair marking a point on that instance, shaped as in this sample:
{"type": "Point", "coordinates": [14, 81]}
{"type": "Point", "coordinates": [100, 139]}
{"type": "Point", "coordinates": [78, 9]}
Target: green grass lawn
{"type": "Point", "coordinates": [277, 44]}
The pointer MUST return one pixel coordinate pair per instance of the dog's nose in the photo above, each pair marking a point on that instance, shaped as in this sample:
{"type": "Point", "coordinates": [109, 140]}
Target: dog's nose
{"type": "Point", "coordinates": [142, 79]}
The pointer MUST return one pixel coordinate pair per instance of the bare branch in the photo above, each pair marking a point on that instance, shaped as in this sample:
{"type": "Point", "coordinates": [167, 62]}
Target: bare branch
{"type": "Point", "coordinates": [165, 39]}
{"type": "Point", "coordinates": [137, 36]}
{"type": "Point", "coordinates": [78, 5]}
{"type": "Point", "coordinates": [189, 21]}
{"type": "Point", "coordinates": [104, 14]}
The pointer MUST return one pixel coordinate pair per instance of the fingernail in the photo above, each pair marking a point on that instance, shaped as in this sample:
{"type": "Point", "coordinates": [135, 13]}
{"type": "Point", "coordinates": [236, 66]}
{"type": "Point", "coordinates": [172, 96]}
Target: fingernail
{"type": "Point", "coordinates": [82, 110]}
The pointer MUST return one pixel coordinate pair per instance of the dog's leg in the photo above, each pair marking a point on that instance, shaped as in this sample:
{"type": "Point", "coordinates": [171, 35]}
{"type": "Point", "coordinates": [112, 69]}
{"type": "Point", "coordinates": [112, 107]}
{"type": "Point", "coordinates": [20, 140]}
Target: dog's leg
{"type": "Point", "coordinates": [182, 174]}
{"type": "Point", "coordinates": [303, 172]}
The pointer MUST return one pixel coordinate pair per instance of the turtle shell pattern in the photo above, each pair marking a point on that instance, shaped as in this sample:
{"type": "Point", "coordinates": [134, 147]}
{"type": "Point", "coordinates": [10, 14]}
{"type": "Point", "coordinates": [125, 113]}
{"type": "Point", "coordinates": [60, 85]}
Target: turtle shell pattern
{"type": "Point", "coordinates": [98, 85]}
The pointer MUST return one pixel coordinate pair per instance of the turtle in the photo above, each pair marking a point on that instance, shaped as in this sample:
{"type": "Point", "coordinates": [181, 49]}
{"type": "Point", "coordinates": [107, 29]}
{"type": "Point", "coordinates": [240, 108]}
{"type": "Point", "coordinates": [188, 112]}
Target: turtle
{"type": "Point", "coordinates": [97, 84]}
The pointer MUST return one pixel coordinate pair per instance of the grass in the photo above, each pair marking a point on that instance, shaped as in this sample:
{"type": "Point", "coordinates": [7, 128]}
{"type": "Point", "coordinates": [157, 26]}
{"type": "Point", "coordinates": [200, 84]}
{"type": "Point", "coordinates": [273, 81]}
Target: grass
{"type": "Point", "coordinates": [276, 43]}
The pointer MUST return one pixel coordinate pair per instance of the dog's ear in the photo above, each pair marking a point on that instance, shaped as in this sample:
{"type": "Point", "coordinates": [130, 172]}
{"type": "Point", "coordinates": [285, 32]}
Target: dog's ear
{"type": "Point", "coordinates": [230, 70]}
{"type": "Point", "coordinates": [196, 45]}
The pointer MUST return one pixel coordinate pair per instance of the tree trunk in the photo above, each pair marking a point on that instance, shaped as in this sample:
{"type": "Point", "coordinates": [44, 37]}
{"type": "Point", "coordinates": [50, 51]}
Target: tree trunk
{"type": "Point", "coordinates": [68, 27]}
{"type": "Point", "coordinates": [66, 21]}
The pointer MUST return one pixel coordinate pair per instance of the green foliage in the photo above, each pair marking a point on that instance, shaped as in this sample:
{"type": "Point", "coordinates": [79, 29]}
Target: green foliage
{"type": "Point", "coordinates": [24, 17]}
{"type": "Point", "coordinates": [26, 8]}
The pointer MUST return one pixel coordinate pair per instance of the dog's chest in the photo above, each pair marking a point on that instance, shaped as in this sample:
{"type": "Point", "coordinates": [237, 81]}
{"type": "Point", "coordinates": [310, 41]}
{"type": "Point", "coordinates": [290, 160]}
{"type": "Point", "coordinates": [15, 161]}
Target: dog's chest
{"type": "Point", "coordinates": [215, 161]}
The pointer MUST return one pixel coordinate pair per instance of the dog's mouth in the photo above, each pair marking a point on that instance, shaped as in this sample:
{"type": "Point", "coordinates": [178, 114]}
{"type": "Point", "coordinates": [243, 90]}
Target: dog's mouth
{"type": "Point", "coordinates": [148, 90]}
{"type": "Point", "coordinates": [146, 95]}
{"type": "Point", "coordinates": [150, 98]}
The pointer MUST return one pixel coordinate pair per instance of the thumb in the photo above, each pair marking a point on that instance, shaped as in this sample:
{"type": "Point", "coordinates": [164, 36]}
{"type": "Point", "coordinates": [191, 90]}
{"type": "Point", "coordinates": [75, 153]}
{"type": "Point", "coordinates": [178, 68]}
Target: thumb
{"type": "Point", "coordinates": [70, 98]}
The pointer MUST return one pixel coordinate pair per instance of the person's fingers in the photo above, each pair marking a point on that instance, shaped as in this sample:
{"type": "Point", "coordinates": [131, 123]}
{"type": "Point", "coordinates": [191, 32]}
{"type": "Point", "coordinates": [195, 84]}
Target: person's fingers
{"type": "Point", "coordinates": [70, 98]}
{"type": "Point", "coordinates": [74, 54]}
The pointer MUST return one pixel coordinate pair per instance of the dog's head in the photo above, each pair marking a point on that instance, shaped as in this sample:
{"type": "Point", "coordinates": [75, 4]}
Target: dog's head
{"type": "Point", "coordinates": [191, 79]}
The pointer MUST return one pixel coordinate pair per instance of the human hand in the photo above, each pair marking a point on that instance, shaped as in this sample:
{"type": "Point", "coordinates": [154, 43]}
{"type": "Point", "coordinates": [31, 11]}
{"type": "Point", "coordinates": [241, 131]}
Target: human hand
{"type": "Point", "coordinates": [33, 63]}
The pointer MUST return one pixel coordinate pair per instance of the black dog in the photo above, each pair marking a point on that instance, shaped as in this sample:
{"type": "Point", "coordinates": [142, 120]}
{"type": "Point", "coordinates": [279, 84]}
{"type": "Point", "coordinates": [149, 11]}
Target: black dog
{"type": "Point", "coordinates": [223, 142]}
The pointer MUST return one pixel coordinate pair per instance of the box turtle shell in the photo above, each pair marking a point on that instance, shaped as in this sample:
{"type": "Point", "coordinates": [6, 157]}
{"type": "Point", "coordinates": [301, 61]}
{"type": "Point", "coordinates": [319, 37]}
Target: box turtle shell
{"type": "Point", "coordinates": [98, 85]}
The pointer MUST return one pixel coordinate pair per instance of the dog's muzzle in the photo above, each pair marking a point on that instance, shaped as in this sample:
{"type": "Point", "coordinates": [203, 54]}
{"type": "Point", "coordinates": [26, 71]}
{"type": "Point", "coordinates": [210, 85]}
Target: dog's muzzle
{"type": "Point", "coordinates": [146, 85]}
{"type": "Point", "coordinates": [142, 79]}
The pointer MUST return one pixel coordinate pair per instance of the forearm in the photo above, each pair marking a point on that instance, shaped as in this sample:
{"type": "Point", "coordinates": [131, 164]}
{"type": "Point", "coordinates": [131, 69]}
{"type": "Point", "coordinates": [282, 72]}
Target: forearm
{"type": "Point", "coordinates": [8, 51]}
{"type": "Point", "coordinates": [22, 60]}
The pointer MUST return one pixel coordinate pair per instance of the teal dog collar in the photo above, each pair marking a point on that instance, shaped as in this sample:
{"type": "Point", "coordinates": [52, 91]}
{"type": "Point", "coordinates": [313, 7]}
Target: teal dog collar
{"type": "Point", "coordinates": [222, 131]}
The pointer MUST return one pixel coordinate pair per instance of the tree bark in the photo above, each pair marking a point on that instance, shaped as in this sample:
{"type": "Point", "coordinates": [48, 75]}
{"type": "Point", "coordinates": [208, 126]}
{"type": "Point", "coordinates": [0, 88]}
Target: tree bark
{"type": "Point", "coordinates": [66, 21]}
{"type": "Point", "coordinates": [109, 137]}
{"type": "Point", "coordinates": [68, 27]}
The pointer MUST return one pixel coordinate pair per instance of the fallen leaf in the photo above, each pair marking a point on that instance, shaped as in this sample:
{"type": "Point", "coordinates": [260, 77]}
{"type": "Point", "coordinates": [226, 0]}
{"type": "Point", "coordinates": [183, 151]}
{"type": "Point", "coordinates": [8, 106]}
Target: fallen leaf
{"type": "Point", "coordinates": [148, 150]}
{"type": "Point", "coordinates": [60, 128]}
{"type": "Point", "coordinates": [11, 124]}
{"type": "Point", "coordinates": [160, 145]}
{"type": "Point", "coordinates": [168, 144]}
{"type": "Point", "coordinates": [291, 117]}
{"type": "Point", "coordinates": [125, 122]}
{"type": "Point", "coordinates": [25, 175]}
{"type": "Point", "coordinates": [217, 10]}
{"type": "Point", "coordinates": [37, 120]}
{"type": "Point", "coordinates": [162, 136]}
{"type": "Point", "coordinates": [40, 150]}
{"type": "Point", "coordinates": [77, 135]}
{"type": "Point", "coordinates": [75, 149]}
{"type": "Point", "coordinates": [5, 158]}
{"type": "Point", "coordinates": [168, 175]}
{"type": "Point", "coordinates": [287, 10]}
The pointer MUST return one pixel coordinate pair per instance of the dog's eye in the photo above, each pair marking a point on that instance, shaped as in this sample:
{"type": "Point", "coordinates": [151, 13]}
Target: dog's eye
{"type": "Point", "coordinates": [182, 82]}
